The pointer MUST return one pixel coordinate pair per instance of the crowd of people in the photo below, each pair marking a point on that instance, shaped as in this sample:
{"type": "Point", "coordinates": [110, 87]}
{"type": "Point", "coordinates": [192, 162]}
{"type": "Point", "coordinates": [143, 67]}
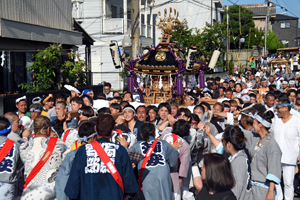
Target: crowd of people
{"type": "Point", "coordinates": [237, 138]}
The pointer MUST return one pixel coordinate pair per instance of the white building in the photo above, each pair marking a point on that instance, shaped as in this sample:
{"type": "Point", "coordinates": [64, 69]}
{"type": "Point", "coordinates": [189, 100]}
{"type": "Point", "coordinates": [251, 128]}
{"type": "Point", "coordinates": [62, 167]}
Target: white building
{"type": "Point", "coordinates": [110, 20]}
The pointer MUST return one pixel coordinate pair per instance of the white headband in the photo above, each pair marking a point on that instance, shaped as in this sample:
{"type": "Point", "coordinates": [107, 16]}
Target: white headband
{"type": "Point", "coordinates": [191, 97]}
{"type": "Point", "coordinates": [249, 114]}
{"type": "Point", "coordinates": [54, 131]}
{"type": "Point", "coordinates": [20, 99]}
{"type": "Point", "coordinates": [258, 118]}
{"type": "Point", "coordinates": [86, 138]}
{"type": "Point", "coordinates": [207, 94]}
{"type": "Point", "coordinates": [261, 120]}
{"type": "Point", "coordinates": [129, 109]}
{"type": "Point", "coordinates": [38, 99]}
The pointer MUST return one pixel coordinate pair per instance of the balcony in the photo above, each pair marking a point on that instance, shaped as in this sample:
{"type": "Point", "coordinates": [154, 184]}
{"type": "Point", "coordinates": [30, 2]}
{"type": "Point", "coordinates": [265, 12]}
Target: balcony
{"type": "Point", "coordinates": [113, 25]}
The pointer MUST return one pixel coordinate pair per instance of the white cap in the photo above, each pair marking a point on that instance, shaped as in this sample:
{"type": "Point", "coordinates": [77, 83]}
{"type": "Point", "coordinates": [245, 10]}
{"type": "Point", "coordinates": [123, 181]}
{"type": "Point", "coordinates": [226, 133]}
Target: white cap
{"type": "Point", "coordinates": [20, 99]}
{"type": "Point", "coordinates": [206, 90]}
{"type": "Point", "coordinates": [25, 121]}
{"type": "Point", "coordinates": [71, 88]}
{"type": "Point", "coordinates": [292, 82]}
{"type": "Point", "coordinates": [245, 98]}
{"type": "Point", "coordinates": [245, 91]}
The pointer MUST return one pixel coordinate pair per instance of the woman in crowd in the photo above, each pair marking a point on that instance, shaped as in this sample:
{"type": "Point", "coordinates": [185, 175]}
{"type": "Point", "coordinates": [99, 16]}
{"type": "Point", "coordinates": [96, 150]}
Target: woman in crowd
{"type": "Point", "coordinates": [155, 178]}
{"type": "Point", "coordinates": [218, 177]}
{"type": "Point", "coordinates": [34, 152]}
{"type": "Point", "coordinates": [266, 159]}
{"type": "Point", "coordinates": [233, 105]}
{"type": "Point", "coordinates": [128, 97]}
{"type": "Point", "coordinates": [238, 89]}
{"type": "Point", "coordinates": [194, 121]}
{"type": "Point", "coordinates": [181, 174]}
{"type": "Point", "coordinates": [292, 95]}
{"type": "Point", "coordinates": [234, 143]}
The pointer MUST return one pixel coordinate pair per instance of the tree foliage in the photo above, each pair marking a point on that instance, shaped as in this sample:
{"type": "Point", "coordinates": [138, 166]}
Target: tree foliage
{"type": "Point", "coordinates": [273, 43]}
{"type": "Point", "coordinates": [50, 72]}
{"type": "Point", "coordinates": [208, 39]}
{"type": "Point", "coordinates": [246, 17]}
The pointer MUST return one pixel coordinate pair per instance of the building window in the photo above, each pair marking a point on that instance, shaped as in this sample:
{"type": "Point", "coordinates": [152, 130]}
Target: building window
{"type": "Point", "coordinates": [114, 11]}
{"type": "Point", "coordinates": [285, 25]}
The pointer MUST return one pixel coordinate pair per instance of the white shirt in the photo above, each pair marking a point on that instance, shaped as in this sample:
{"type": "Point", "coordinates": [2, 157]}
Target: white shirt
{"type": "Point", "coordinates": [287, 135]}
{"type": "Point", "coordinates": [111, 94]}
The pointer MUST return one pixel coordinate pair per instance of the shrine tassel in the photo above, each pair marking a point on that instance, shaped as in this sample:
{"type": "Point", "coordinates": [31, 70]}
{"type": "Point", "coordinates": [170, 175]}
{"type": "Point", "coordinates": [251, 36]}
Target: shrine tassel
{"type": "Point", "coordinates": [130, 84]}
{"type": "Point", "coordinates": [179, 85]}
{"type": "Point", "coordinates": [201, 79]}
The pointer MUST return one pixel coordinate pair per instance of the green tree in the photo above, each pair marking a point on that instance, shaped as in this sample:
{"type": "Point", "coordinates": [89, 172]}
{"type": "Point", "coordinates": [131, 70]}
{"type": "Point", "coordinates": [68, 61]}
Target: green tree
{"type": "Point", "coordinates": [208, 39]}
{"type": "Point", "coordinates": [272, 42]}
{"type": "Point", "coordinates": [50, 72]}
{"type": "Point", "coordinates": [246, 17]}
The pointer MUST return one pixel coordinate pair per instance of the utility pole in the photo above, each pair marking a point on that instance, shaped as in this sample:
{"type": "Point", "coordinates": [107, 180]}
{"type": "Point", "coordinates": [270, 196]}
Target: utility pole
{"type": "Point", "coordinates": [211, 12]}
{"type": "Point", "coordinates": [240, 28]}
{"type": "Point", "coordinates": [269, 2]}
{"type": "Point", "coordinates": [135, 29]}
{"type": "Point", "coordinates": [228, 43]}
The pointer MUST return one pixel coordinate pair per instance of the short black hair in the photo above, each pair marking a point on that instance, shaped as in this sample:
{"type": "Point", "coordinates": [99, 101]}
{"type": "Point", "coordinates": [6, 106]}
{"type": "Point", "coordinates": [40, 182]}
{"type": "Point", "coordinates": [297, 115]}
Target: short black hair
{"type": "Point", "coordinates": [115, 106]}
{"type": "Point", "coordinates": [105, 125]}
{"type": "Point", "coordinates": [181, 128]}
{"type": "Point", "coordinates": [103, 110]}
{"type": "Point", "coordinates": [291, 91]}
{"type": "Point", "coordinates": [78, 100]}
{"type": "Point", "coordinates": [199, 107]}
{"type": "Point", "coordinates": [270, 94]}
{"type": "Point", "coordinates": [86, 129]}
{"type": "Point", "coordinates": [119, 99]}
{"type": "Point", "coordinates": [252, 95]}
{"type": "Point", "coordinates": [131, 96]}
{"type": "Point", "coordinates": [166, 105]}
{"type": "Point", "coordinates": [186, 112]}
{"type": "Point", "coordinates": [203, 103]}
{"type": "Point", "coordinates": [195, 118]}
{"type": "Point", "coordinates": [259, 108]}
{"type": "Point", "coordinates": [86, 111]}
{"type": "Point", "coordinates": [88, 97]}
{"type": "Point", "coordinates": [228, 90]}
{"type": "Point", "coordinates": [4, 123]}
{"type": "Point", "coordinates": [107, 84]}
{"type": "Point", "coordinates": [141, 106]}
{"type": "Point", "coordinates": [222, 88]}
{"type": "Point", "coordinates": [101, 96]}
{"type": "Point", "coordinates": [124, 103]}
{"type": "Point", "coordinates": [61, 96]}
{"type": "Point", "coordinates": [154, 108]}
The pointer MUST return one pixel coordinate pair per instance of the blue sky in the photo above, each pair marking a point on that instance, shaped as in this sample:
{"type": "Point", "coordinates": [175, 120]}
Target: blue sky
{"type": "Point", "coordinates": [291, 5]}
